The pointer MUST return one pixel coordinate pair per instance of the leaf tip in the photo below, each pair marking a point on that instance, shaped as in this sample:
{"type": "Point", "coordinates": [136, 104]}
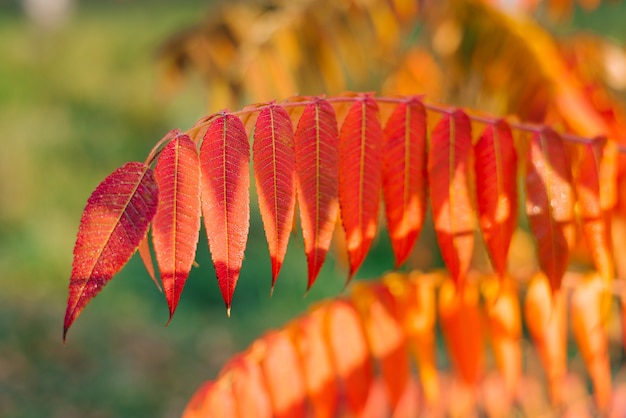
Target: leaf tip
{"type": "Point", "coordinates": [157, 284]}
{"type": "Point", "coordinates": [172, 309]}
{"type": "Point", "coordinates": [309, 285]}
{"type": "Point", "coordinates": [397, 264]}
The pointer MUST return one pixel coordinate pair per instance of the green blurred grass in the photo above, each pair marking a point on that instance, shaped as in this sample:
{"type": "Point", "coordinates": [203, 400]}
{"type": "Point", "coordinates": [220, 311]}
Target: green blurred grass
{"type": "Point", "coordinates": [74, 105]}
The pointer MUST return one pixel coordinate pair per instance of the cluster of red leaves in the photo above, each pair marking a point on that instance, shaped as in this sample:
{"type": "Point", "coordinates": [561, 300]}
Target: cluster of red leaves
{"type": "Point", "coordinates": [352, 356]}
{"type": "Point", "coordinates": [338, 161]}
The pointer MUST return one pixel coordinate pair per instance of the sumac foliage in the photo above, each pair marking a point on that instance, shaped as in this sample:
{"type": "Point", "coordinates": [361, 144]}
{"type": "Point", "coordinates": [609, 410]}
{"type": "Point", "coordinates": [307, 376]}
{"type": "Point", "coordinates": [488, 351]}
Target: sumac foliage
{"type": "Point", "coordinates": [329, 169]}
{"type": "Point", "coordinates": [359, 160]}
{"type": "Point", "coordinates": [351, 356]}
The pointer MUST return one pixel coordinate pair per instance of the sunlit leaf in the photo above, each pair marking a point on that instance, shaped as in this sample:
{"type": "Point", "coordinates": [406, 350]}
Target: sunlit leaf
{"type": "Point", "coordinates": [224, 159]}
{"type": "Point", "coordinates": [114, 222]}
{"type": "Point", "coordinates": [461, 325]}
{"type": "Point", "coordinates": [385, 336]}
{"type": "Point", "coordinates": [404, 176]}
{"type": "Point", "coordinates": [417, 309]}
{"type": "Point", "coordinates": [213, 399]}
{"type": "Point", "coordinates": [176, 225]}
{"type": "Point", "coordinates": [360, 163]}
{"type": "Point", "coordinates": [317, 166]}
{"type": "Point", "coordinates": [590, 334]}
{"type": "Point", "coordinates": [504, 323]}
{"type": "Point", "coordinates": [496, 189]}
{"type": "Point", "coordinates": [594, 219]}
{"type": "Point", "coordinates": [284, 376]}
{"type": "Point", "coordinates": [545, 316]}
{"type": "Point", "coordinates": [448, 172]}
{"type": "Point", "coordinates": [319, 374]}
{"type": "Point", "coordinates": [349, 353]}
{"type": "Point", "coordinates": [274, 170]}
{"type": "Point", "coordinates": [248, 386]}
{"type": "Point", "coordinates": [550, 203]}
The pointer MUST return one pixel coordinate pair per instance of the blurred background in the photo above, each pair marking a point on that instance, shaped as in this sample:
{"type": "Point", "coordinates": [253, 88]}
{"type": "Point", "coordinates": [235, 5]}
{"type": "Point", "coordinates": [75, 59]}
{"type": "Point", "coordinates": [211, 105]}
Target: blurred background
{"type": "Point", "coordinates": [82, 92]}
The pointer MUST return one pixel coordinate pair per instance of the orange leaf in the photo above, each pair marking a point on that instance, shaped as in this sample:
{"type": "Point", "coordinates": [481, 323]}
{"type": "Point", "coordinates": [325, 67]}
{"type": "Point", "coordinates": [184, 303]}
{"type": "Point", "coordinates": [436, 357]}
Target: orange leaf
{"type": "Point", "coordinates": [213, 399]}
{"type": "Point", "coordinates": [545, 316]}
{"type": "Point", "coordinates": [317, 165]}
{"type": "Point", "coordinates": [349, 353]}
{"type": "Point", "coordinates": [114, 222]}
{"type": "Point", "coordinates": [453, 211]}
{"type": "Point", "coordinates": [319, 375]}
{"type": "Point", "coordinates": [404, 176]}
{"type": "Point", "coordinates": [248, 387]}
{"type": "Point", "coordinates": [360, 163]}
{"type": "Point", "coordinates": [594, 219]}
{"type": "Point", "coordinates": [410, 402]}
{"type": "Point", "coordinates": [176, 224]}
{"type": "Point", "coordinates": [275, 168]}
{"type": "Point", "coordinates": [224, 159]}
{"type": "Point", "coordinates": [284, 375]}
{"type": "Point", "coordinates": [146, 257]}
{"type": "Point", "coordinates": [461, 325]}
{"type": "Point", "coordinates": [377, 404]}
{"type": "Point", "coordinates": [588, 329]}
{"type": "Point", "coordinates": [550, 203]}
{"type": "Point", "coordinates": [385, 336]}
{"type": "Point", "coordinates": [417, 310]}
{"type": "Point", "coordinates": [496, 189]}
{"type": "Point", "coordinates": [505, 329]}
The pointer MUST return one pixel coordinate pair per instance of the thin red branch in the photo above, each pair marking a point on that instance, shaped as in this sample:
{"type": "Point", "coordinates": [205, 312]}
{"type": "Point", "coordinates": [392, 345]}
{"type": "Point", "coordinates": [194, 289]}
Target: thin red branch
{"type": "Point", "coordinates": [437, 108]}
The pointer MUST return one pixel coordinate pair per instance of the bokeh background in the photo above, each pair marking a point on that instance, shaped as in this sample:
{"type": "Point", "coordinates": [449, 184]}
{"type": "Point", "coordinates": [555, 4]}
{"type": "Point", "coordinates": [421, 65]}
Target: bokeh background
{"type": "Point", "coordinates": [79, 96]}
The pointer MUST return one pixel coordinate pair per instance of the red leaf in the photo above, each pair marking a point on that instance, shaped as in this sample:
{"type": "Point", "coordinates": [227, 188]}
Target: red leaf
{"type": "Point", "coordinates": [349, 353]}
{"type": "Point", "coordinates": [404, 176]}
{"type": "Point", "coordinates": [496, 189]}
{"type": "Point", "coordinates": [550, 203]}
{"type": "Point", "coordinates": [275, 168]}
{"type": "Point", "coordinates": [319, 374]}
{"type": "Point", "coordinates": [594, 219]}
{"type": "Point", "coordinates": [317, 165]}
{"type": "Point", "coordinates": [360, 164]}
{"type": "Point", "coordinates": [224, 159]}
{"type": "Point", "coordinates": [176, 226]}
{"type": "Point", "coordinates": [113, 224]}
{"type": "Point", "coordinates": [284, 376]}
{"type": "Point", "coordinates": [453, 211]}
